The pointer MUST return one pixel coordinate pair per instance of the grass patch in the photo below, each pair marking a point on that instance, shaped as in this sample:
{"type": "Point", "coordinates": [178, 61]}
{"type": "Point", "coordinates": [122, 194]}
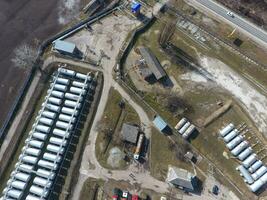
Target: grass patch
{"type": "Point", "coordinates": [90, 189]}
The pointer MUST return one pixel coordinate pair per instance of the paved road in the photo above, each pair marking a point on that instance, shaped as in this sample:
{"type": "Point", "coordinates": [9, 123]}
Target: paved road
{"type": "Point", "coordinates": [238, 21]}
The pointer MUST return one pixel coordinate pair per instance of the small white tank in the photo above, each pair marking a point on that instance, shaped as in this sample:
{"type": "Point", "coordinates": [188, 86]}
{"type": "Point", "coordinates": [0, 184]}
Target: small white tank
{"type": "Point", "coordinates": [42, 182]}
{"type": "Point", "coordinates": [57, 141]}
{"type": "Point", "coordinates": [54, 100]}
{"type": "Point", "coordinates": [51, 157]}
{"type": "Point", "coordinates": [39, 191]}
{"type": "Point", "coordinates": [183, 129]}
{"type": "Point", "coordinates": [24, 167]}
{"type": "Point", "coordinates": [249, 160]}
{"type": "Point", "coordinates": [255, 166]}
{"type": "Point", "coordinates": [40, 136]}
{"type": "Point", "coordinates": [180, 124]}
{"type": "Point", "coordinates": [244, 154]}
{"type": "Point", "coordinates": [55, 149]}
{"type": "Point", "coordinates": [230, 135]}
{"type": "Point", "coordinates": [226, 130]}
{"type": "Point", "coordinates": [45, 173]}
{"type": "Point", "coordinates": [72, 104]}
{"type": "Point", "coordinates": [67, 118]}
{"type": "Point", "coordinates": [48, 114]}
{"type": "Point", "coordinates": [69, 111]}
{"type": "Point", "coordinates": [66, 72]}
{"type": "Point", "coordinates": [31, 197]}
{"type": "Point", "coordinates": [63, 81]}
{"type": "Point", "coordinates": [46, 121]}
{"type": "Point", "coordinates": [77, 91]}
{"type": "Point", "coordinates": [73, 97]}
{"type": "Point", "coordinates": [80, 84]}
{"type": "Point", "coordinates": [42, 128]}
{"type": "Point", "coordinates": [64, 125]}
{"type": "Point", "coordinates": [52, 107]}
{"type": "Point", "coordinates": [18, 185]}
{"type": "Point", "coordinates": [32, 151]}
{"type": "Point", "coordinates": [235, 142]}
{"type": "Point", "coordinates": [22, 176]}
{"type": "Point", "coordinates": [35, 143]}
{"type": "Point", "coordinates": [61, 133]}
{"type": "Point", "coordinates": [239, 148]}
{"type": "Point", "coordinates": [28, 159]}
{"type": "Point", "coordinates": [81, 76]}
{"type": "Point", "coordinates": [57, 94]}
{"type": "Point", "coordinates": [262, 170]}
{"type": "Point", "coordinates": [17, 194]}
{"type": "Point", "coordinates": [189, 131]}
{"type": "Point", "coordinates": [47, 165]}
{"type": "Point", "coordinates": [59, 87]}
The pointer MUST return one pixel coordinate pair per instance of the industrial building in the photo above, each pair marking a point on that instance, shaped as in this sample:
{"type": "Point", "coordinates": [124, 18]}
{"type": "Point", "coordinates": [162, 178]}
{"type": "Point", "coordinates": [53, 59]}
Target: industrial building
{"type": "Point", "coordinates": [129, 133]}
{"type": "Point", "coordinates": [42, 156]}
{"type": "Point", "coordinates": [160, 123]}
{"type": "Point", "coordinates": [181, 178]}
{"type": "Point", "coordinates": [152, 63]}
{"type": "Point", "coordinates": [66, 48]}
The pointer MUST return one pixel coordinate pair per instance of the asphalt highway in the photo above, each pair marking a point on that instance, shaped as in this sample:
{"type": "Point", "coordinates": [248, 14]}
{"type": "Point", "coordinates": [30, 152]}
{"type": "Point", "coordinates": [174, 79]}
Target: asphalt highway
{"type": "Point", "coordinates": [236, 20]}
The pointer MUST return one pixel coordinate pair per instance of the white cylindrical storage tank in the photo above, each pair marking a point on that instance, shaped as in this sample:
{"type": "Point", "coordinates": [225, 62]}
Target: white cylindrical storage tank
{"type": "Point", "coordinates": [259, 183]}
{"type": "Point", "coordinates": [22, 176]}
{"type": "Point", "coordinates": [62, 88]}
{"type": "Point", "coordinates": [17, 194]}
{"type": "Point", "coordinates": [77, 91]}
{"type": "Point", "coordinates": [73, 97]}
{"type": "Point", "coordinates": [28, 159]}
{"type": "Point", "coordinates": [57, 141]}
{"type": "Point", "coordinates": [239, 148]}
{"type": "Point", "coordinates": [249, 160]}
{"type": "Point", "coordinates": [42, 128]}
{"type": "Point", "coordinates": [48, 114]}
{"type": "Point", "coordinates": [39, 191]}
{"type": "Point", "coordinates": [262, 170]}
{"type": "Point", "coordinates": [57, 94]}
{"type": "Point", "coordinates": [35, 143]}
{"type": "Point", "coordinates": [72, 104]}
{"type": "Point", "coordinates": [69, 111]}
{"type": "Point", "coordinates": [180, 124]}
{"type": "Point", "coordinates": [64, 125]}
{"type": "Point", "coordinates": [244, 173]}
{"type": "Point", "coordinates": [52, 107]}
{"type": "Point", "coordinates": [226, 130]}
{"type": "Point", "coordinates": [40, 136]}
{"type": "Point", "coordinates": [31, 197]}
{"type": "Point", "coordinates": [61, 133]}
{"type": "Point", "coordinates": [243, 155]}
{"type": "Point", "coordinates": [46, 121]}
{"type": "Point", "coordinates": [66, 71]}
{"type": "Point", "coordinates": [32, 151]}
{"type": "Point", "coordinates": [189, 131]}
{"type": "Point", "coordinates": [183, 129]}
{"type": "Point", "coordinates": [230, 136]}
{"type": "Point", "coordinates": [55, 148]}
{"type": "Point", "coordinates": [47, 164]}
{"type": "Point", "coordinates": [81, 76]}
{"type": "Point", "coordinates": [67, 118]}
{"type": "Point", "coordinates": [79, 84]}
{"type": "Point", "coordinates": [235, 142]}
{"type": "Point", "coordinates": [54, 100]}
{"type": "Point", "coordinates": [42, 182]}
{"type": "Point", "coordinates": [18, 185]}
{"type": "Point", "coordinates": [52, 157]}
{"type": "Point", "coordinates": [255, 166]}
{"type": "Point", "coordinates": [45, 173]}
{"type": "Point", "coordinates": [25, 167]}
{"type": "Point", "coordinates": [63, 81]}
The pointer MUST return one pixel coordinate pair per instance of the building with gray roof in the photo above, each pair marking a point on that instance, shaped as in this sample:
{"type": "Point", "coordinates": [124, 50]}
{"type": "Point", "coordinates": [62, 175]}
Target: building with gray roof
{"type": "Point", "coordinates": [129, 133]}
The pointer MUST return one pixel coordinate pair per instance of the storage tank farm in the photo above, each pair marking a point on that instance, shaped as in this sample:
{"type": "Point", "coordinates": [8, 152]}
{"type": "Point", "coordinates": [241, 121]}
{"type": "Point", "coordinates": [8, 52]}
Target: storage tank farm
{"type": "Point", "coordinates": [41, 159]}
{"type": "Point", "coordinates": [252, 169]}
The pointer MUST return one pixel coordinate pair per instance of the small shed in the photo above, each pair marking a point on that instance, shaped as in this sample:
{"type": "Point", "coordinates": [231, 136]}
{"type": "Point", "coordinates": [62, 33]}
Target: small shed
{"type": "Point", "coordinates": [129, 133]}
{"type": "Point", "coordinates": [181, 178]}
{"type": "Point", "coordinates": [66, 48]}
{"type": "Point", "coordinates": [160, 123]}
{"type": "Point", "coordinates": [135, 7]}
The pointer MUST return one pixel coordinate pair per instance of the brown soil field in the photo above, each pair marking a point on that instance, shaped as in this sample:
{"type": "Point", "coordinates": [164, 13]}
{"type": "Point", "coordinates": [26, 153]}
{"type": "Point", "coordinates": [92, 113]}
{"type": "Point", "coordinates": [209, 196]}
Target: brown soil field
{"type": "Point", "coordinates": [23, 21]}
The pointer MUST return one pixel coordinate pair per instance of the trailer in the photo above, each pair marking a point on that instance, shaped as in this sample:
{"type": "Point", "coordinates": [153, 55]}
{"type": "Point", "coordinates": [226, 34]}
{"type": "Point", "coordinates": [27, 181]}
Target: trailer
{"type": "Point", "coordinates": [249, 160]}
{"type": "Point", "coordinates": [69, 111]}
{"type": "Point", "coordinates": [76, 90]}
{"type": "Point", "coordinates": [189, 131]}
{"type": "Point", "coordinates": [55, 149]}
{"type": "Point", "coordinates": [58, 141]}
{"type": "Point", "coordinates": [59, 87]}
{"type": "Point", "coordinates": [46, 121]}
{"type": "Point", "coordinates": [42, 182]}
{"type": "Point", "coordinates": [180, 124]}
{"type": "Point", "coordinates": [63, 81]}
{"type": "Point", "coordinates": [40, 136]}
{"type": "Point", "coordinates": [32, 151]}
{"type": "Point", "coordinates": [261, 171]}
{"type": "Point", "coordinates": [72, 104]}
{"type": "Point", "coordinates": [67, 72]}
{"type": "Point", "coordinates": [183, 129]}
{"type": "Point", "coordinates": [237, 140]}
{"type": "Point", "coordinates": [67, 118]}
{"type": "Point", "coordinates": [139, 146]}
{"type": "Point", "coordinates": [239, 148]}
{"type": "Point", "coordinates": [48, 114]}
{"type": "Point", "coordinates": [52, 107]}
{"type": "Point", "coordinates": [80, 84]}
{"type": "Point", "coordinates": [36, 143]}
{"type": "Point", "coordinates": [226, 130]}
{"type": "Point", "coordinates": [43, 128]}
{"type": "Point", "coordinates": [54, 100]}
{"type": "Point", "coordinates": [243, 155]}
{"type": "Point", "coordinates": [244, 173]}
{"type": "Point", "coordinates": [45, 174]}
{"type": "Point", "coordinates": [51, 157]}
{"type": "Point", "coordinates": [255, 166]}
{"type": "Point", "coordinates": [47, 165]}
{"type": "Point", "coordinates": [61, 133]}
{"type": "Point", "coordinates": [39, 191]}
{"type": "Point", "coordinates": [230, 136]}
{"type": "Point", "coordinates": [73, 97]}
{"type": "Point", "coordinates": [64, 125]}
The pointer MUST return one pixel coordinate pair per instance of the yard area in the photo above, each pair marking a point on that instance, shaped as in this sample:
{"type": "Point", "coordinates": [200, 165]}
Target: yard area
{"type": "Point", "coordinates": [91, 189]}
{"type": "Point", "coordinates": [116, 113]}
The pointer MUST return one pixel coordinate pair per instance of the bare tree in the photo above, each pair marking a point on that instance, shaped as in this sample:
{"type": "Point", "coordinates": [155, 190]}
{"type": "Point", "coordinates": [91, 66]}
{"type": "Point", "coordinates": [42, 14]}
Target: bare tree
{"type": "Point", "coordinates": [25, 56]}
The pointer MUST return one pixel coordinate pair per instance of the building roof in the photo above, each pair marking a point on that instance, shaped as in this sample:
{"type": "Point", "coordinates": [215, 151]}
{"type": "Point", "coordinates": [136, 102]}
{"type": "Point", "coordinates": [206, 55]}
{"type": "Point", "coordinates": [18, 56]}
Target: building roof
{"type": "Point", "coordinates": [152, 62]}
{"type": "Point", "coordinates": [159, 123]}
{"type": "Point", "coordinates": [135, 6]}
{"type": "Point", "coordinates": [180, 177]}
{"type": "Point", "coordinates": [129, 133]}
{"type": "Point", "coordinates": [64, 46]}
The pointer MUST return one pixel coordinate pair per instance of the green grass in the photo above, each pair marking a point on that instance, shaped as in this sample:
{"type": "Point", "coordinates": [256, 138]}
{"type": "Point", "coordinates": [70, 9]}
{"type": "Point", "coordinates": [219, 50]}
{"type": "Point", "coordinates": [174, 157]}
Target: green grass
{"type": "Point", "coordinates": [90, 188]}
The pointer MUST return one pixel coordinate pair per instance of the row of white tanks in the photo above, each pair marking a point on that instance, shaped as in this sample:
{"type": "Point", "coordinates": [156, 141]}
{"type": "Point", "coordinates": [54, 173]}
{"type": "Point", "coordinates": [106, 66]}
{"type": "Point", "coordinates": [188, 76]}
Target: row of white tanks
{"type": "Point", "coordinates": [52, 155]}
{"type": "Point", "coordinates": [252, 169]}
{"type": "Point", "coordinates": [185, 128]}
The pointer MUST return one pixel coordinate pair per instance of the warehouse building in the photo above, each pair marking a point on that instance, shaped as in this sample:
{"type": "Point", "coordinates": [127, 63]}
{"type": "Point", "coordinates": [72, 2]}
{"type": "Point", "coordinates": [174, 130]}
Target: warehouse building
{"type": "Point", "coordinates": [181, 178]}
{"type": "Point", "coordinates": [66, 48]}
{"type": "Point", "coordinates": [129, 133]}
{"type": "Point", "coordinates": [160, 123]}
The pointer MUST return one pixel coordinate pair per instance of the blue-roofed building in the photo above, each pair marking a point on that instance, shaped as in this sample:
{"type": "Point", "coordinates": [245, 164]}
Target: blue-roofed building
{"type": "Point", "coordinates": [160, 123]}
{"type": "Point", "coordinates": [136, 7]}
{"type": "Point", "coordinates": [66, 48]}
